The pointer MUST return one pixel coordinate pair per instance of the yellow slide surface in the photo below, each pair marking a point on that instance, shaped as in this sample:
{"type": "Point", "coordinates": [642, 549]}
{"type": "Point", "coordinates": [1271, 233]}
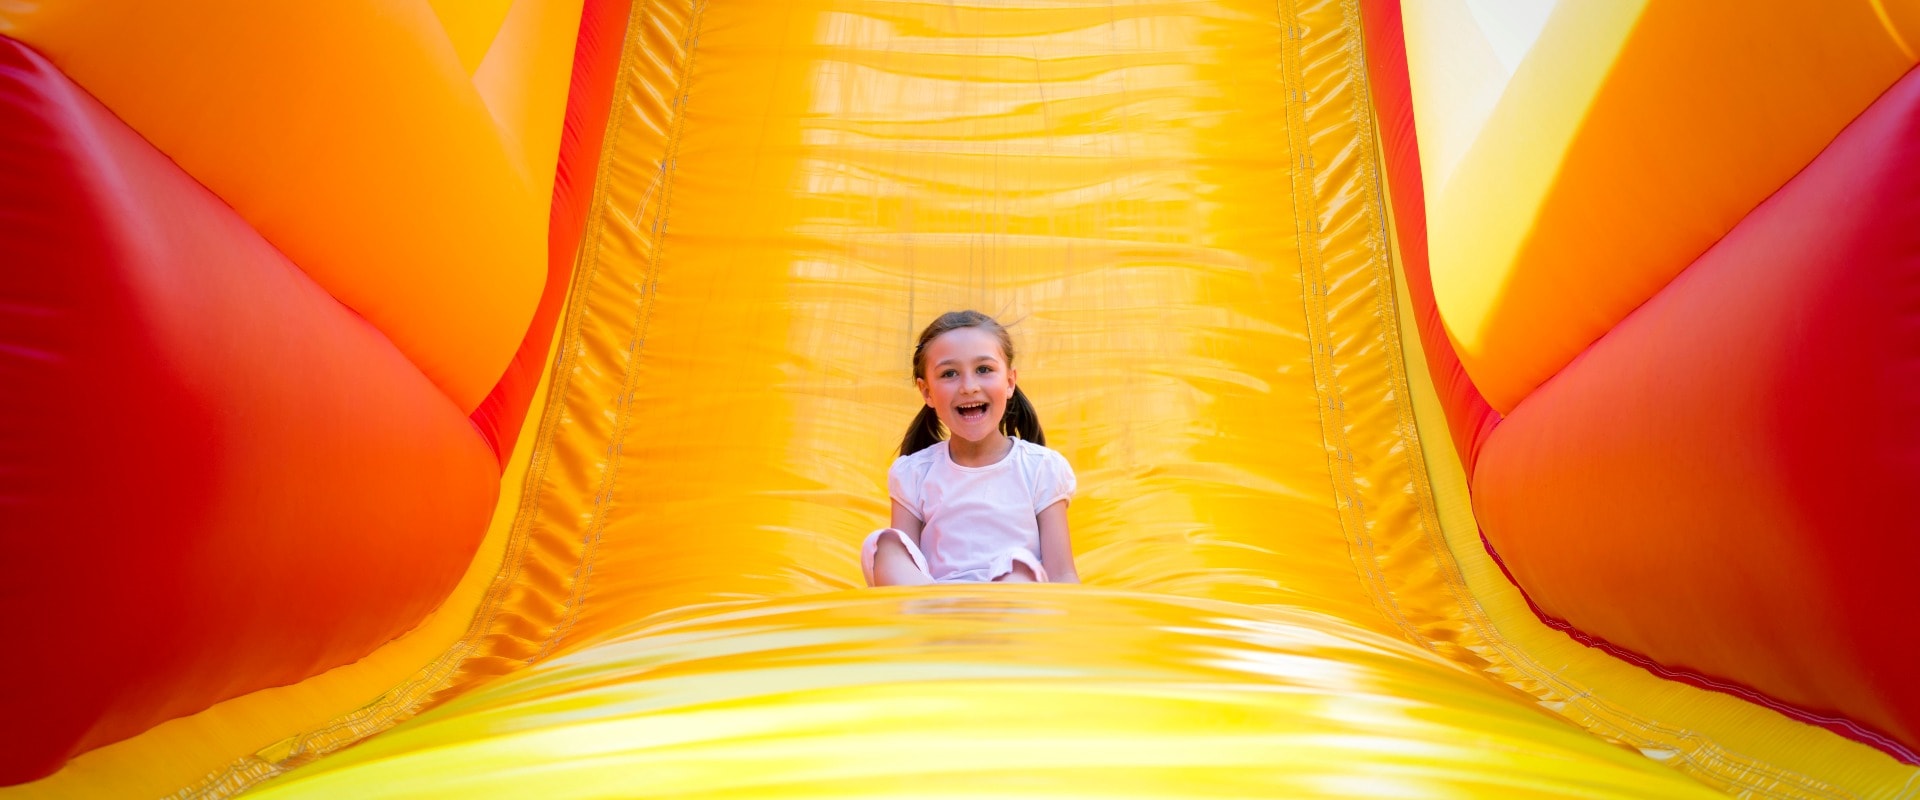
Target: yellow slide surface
{"type": "Point", "coordinates": [1177, 208]}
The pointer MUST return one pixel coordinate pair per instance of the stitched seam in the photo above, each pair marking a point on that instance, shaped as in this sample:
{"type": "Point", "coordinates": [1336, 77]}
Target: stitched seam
{"type": "Point", "coordinates": [1331, 406]}
{"type": "Point", "coordinates": [636, 346]}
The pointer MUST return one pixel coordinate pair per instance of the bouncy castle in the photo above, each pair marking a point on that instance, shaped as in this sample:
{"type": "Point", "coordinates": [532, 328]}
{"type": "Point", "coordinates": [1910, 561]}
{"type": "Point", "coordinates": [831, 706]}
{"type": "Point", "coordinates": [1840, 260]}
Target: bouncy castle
{"type": "Point", "coordinates": [487, 398]}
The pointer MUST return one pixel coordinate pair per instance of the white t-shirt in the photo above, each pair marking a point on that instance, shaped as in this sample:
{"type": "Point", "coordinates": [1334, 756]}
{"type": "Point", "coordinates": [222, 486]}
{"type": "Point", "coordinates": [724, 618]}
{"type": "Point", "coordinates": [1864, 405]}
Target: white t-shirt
{"type": "Point", "coordinates": [973, 517]}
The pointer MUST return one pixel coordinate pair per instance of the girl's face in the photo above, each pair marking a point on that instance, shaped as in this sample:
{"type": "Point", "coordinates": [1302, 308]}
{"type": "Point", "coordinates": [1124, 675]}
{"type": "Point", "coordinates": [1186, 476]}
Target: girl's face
{"type": "Point", "coordinates": [967, 383]}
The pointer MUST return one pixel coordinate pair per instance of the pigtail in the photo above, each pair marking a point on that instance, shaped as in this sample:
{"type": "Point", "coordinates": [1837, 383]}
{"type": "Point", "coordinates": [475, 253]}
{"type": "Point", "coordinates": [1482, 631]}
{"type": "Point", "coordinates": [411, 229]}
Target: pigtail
{"type": "Point", "coordinates": [924, 432]}
{"type": "Point", "coordinates": [1020, 420]}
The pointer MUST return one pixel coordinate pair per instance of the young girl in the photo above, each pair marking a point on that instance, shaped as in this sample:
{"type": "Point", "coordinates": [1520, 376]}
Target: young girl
{"type": "Point", "coordinates": [980, 505]}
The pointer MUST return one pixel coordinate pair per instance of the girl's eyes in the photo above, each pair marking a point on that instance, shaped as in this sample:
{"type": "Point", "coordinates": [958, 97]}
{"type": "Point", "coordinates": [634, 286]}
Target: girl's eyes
{"type": "Point", "coordinates": [983, 369]}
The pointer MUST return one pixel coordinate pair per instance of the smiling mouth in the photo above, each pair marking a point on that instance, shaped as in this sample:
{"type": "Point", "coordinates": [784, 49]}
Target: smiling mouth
{"type": "Point", "coordinates": [972, 410]}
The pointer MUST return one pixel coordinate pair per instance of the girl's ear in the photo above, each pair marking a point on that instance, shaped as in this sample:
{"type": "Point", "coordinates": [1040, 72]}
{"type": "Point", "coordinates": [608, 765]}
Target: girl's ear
{"type": "Point", "coordinates": [1013, 380]}
{"type": "Point", "coordinates": [921, 384]}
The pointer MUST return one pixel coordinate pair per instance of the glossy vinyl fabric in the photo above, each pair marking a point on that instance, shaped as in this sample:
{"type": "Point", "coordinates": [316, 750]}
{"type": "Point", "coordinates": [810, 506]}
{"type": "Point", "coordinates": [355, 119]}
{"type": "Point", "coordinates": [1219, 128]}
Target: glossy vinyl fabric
{"type": "Point", "coordinates": [1181, 207]}
{"type": "Point", "coordinates": [596, 61]}
{"type": "Point", "coordinates": [355, 139]}
{"type": "Point", "coordinates": [1748, 485]}
{"type": "Point", "coordinates": [1630, 137]}
{"type": "Point", "coordinates": [177, 492]}
{"type": "Point", "coordinates": [1694, 505]}
{"type": "Point", "coordinates": [238, 742]}
{"type": "Point", "coordinates": [1008, 691]}
{"type": "Point", "coordinates": [227, 492]}
{"type": "Point", "coordinates": [1176, 206]}
{"type": "Point", "coordinates": [1469, 418]}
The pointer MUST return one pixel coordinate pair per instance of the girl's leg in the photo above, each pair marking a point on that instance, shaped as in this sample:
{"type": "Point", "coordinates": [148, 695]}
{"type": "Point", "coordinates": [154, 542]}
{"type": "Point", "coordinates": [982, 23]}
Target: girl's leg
{"type": "Point", "coordinates": [1020, 573]}
{"type": "Point", "coordinates": [890, 561]}
{"type": "Point", "coordinates": [1023, 567]}
{"type": "Point", "coordinates": [893, 565]}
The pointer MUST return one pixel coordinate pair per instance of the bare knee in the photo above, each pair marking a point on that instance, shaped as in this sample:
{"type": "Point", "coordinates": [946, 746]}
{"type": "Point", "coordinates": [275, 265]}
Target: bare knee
{"type": "Point", "coordinates": [893, 565]}
{"type": "Point", "coordinates": [1019, 573]}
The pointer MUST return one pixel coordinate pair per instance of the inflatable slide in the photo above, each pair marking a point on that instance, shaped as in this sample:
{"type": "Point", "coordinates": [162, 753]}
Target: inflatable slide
{"type": "Point", "coordinates": [487, 398]}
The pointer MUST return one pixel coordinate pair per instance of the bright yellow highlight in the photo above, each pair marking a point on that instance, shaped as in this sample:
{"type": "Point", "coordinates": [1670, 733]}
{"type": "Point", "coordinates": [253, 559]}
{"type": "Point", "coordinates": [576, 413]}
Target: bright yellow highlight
{"type": "Point", "coordinates": [1480, 211]}
{"type": "Point", "coordinates": [990, 692]}
{"type": "Point", "coordinates": [1461, 71]}
{"type": "Point", "coordinates": [524, 80]}
{"type": "Point", "coordinates": [1902, 21]}
{"type": "Point", "coordinates": [471, 26]}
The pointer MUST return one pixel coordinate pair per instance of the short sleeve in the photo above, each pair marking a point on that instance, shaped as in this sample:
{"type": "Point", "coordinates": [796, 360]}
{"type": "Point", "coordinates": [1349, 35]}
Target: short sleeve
{"type": "Point", "coordinates": [903, 484]}
{"type": "Point", "coordinates": [1054, 481]}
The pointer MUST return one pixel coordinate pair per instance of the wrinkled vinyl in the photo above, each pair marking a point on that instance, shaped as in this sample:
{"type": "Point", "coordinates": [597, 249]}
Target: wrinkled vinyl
{"type": "Point", "coordinates": [1003, 691]}
{"type": "Point", "coordinates": [1175, 206]}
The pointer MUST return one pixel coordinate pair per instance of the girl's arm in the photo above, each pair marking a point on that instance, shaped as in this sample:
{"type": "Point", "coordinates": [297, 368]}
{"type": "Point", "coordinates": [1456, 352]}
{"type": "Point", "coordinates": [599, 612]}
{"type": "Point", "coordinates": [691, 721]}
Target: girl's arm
{"type": "Point", "coordinates": [905, 522]}
{"type": "Point", "coordinates": [1056, 553]}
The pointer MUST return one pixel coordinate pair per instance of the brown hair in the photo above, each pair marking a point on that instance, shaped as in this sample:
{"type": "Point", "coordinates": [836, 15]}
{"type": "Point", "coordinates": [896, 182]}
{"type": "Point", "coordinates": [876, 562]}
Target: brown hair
{"type": "Point", "coordinates": [1019, 420]}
